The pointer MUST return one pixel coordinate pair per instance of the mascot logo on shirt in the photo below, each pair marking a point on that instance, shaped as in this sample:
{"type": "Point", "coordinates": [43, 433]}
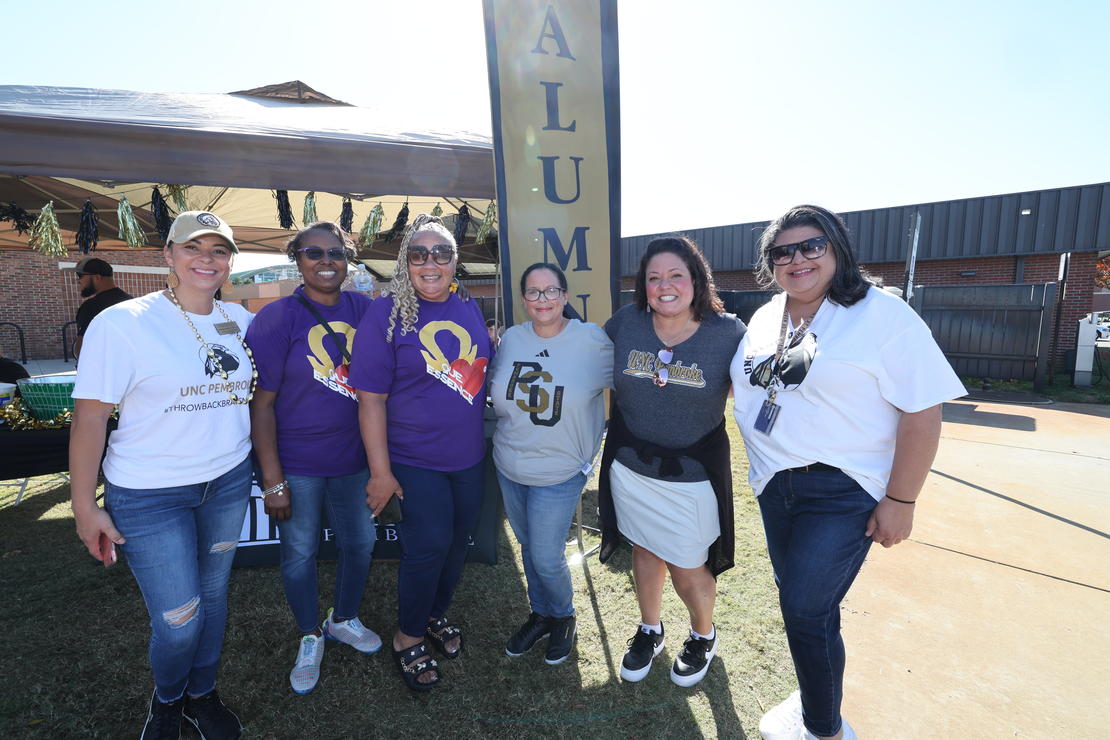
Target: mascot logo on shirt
{"type": "Point", "coordinates": [526, 378]}
{"type": "Point", "coordinates": [467, 372]}
{"type": "Point", "coordinates": [324, 369]}
{"type": "Point", "coordinates": [223, 359]}
{"type": "Point", "coordinates": [644, 365]}
{"type": "Point", "coordinates": [795, 364]}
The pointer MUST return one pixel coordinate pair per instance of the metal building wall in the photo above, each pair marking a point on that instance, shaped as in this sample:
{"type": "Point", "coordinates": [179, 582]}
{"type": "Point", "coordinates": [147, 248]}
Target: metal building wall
{"type": "Point", "coordinates": [1074, 219]}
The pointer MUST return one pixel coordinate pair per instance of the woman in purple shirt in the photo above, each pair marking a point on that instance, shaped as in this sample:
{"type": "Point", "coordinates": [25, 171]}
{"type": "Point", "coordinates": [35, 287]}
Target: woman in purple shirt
{"type": "Point", "coordinates": [304, 426]}
{"type": "Point", "coordinates": [420, 370]}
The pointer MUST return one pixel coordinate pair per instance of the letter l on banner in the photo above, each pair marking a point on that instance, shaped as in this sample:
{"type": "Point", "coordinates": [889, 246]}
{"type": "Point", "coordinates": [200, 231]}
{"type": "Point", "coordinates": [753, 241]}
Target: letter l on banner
{"type": "Point", "coordinates": [555, 98]}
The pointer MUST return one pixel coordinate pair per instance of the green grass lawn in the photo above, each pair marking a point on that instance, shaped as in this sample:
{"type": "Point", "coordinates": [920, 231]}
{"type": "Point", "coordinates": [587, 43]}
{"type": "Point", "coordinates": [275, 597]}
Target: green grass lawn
{"type": "Point", "coordinates": [75, 643]}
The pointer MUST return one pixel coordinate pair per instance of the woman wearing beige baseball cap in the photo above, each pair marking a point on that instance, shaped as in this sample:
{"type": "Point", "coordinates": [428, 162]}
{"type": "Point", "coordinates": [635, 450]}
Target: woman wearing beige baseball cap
{"type": "Point", "coordinates": [177, 470]}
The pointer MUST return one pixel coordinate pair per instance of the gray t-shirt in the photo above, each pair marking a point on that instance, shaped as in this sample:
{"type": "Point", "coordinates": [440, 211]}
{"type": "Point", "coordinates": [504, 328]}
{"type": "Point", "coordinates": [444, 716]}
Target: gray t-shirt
{"type": "Point", "coordinates": [691, 404]}
{"type": "Point", "coordinates": [549, 399]}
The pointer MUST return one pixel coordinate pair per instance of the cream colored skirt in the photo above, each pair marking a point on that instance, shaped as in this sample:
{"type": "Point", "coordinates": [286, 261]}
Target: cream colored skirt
{"type": "Point", "coordinates": [675, 521]}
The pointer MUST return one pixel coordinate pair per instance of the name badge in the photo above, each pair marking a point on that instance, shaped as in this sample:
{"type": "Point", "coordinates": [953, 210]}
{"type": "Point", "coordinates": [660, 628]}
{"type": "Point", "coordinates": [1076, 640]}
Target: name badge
{"type": "Point", "coordinates": [768, 413]}
{"type": "Point", "coordinates": [227, 327]}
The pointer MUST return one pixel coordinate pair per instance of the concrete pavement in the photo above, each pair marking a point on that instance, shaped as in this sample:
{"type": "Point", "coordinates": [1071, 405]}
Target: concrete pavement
{"type": "Point", "coordinates": [993, 621]}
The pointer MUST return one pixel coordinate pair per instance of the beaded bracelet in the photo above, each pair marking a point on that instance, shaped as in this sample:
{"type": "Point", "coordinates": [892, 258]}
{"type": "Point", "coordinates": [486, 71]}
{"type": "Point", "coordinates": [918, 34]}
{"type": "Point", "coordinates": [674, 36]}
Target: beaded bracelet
{"type": "Point", "coordinates": [901, 501]}
{"type": "Point", "coordinates": [276, 489]}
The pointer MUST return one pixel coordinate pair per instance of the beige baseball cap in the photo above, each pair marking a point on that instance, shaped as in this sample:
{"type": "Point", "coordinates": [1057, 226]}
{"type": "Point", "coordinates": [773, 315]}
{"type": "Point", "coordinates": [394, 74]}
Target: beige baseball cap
{"type": "Point", "coordinates": [191, 224]}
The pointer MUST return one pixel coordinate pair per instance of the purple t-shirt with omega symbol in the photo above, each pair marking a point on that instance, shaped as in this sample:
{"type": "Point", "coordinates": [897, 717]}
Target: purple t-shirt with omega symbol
{"type": "Point", "coordinates": [316, 408]}
{"type": "Point", "coordinates": [436, 380]}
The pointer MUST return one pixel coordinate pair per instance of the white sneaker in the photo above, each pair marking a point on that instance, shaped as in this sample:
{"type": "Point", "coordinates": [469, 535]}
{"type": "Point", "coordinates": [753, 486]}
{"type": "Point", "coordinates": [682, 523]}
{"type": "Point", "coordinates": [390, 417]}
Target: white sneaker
{"type": "Point", "coordinates": [784, 722]}
{"type": "Point", "coordinates": [306, 671]}
{"type": "Point", "coordinates": [849, 733]}
{"type": "Point", "coordinates": [353, 633]}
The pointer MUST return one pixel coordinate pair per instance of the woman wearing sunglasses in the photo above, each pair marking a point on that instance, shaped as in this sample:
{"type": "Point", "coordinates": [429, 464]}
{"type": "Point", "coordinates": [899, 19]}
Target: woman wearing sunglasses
{"type": "Point", "coordinates": [547, 385]}
{"type": "Point", "coordinates": [838, 389]}
{"type": "Point", "coordinates": [304, 425]}
{"type": "Point", "coordinates": [666, 481]}
{"type": "Point", "coordinates": [420, 370]}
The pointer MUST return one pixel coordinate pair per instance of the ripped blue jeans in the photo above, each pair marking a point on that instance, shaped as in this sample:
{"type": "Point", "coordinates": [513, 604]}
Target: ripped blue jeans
{"type": "Point", "coordinates": [180, 545]}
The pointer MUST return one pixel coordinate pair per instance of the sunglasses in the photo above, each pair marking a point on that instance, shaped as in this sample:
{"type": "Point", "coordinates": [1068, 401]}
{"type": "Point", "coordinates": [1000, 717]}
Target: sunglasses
{"type": "Point", "coordinates": [442, 254]}
{"type": "Point", "coordinates": [317, 253]}
{"type": "Point", "coordinates": [811, 249]}
{"type": "Point", "coordinates": [662, 375]}
{"type": "Point", "coordinates": [552, 294]}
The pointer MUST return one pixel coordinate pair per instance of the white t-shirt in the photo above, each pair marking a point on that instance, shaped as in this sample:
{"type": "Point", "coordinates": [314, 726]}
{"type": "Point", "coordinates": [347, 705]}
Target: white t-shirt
{"type": "Point", "coordinates": [846, 384]}
{"type": "Point", "coordinates": [177, 424]}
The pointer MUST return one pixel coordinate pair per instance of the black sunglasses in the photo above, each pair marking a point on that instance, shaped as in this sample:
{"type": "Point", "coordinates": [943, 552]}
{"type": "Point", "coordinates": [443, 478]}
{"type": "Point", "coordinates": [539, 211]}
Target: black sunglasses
{"type": "Point", "coordinates": [317, 253]}
{"type": "Point", "coordinates": [442, 254]}
{"type": "Point", "coordinates": [811, 249]}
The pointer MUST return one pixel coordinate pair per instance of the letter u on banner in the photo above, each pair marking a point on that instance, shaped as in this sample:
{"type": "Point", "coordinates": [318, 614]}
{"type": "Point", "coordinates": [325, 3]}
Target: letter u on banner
{"type": "Point", "coordinates": [555, 98]}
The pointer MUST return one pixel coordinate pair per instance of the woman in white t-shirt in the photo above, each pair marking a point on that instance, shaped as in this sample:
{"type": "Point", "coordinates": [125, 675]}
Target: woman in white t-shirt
{"type": "Point", "coordinates": [177, 470]}
{"type": "Point", "coordinates": [838, 388]}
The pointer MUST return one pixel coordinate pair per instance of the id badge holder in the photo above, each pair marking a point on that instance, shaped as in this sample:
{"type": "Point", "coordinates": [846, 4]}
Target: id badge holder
{"type": "Point", "coordinates": [768, 413]}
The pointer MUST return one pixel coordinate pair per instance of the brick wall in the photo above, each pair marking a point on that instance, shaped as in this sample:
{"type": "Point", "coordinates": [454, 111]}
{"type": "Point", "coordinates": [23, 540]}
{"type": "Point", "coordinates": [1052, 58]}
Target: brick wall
{"type": "Point", "coordinates": [41, 297]}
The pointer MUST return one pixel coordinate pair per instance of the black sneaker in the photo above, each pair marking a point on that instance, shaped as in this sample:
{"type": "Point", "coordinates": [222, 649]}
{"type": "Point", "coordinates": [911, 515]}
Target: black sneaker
{"type": "Point", "coordinates": [642, 649]}
{"type": "Point", "coordinates": [532, 631]}
{"type": "Point", "coordinates": [212, 719]}
{"type": "Point", "coordinates": [163, 721]}
{"type": "Point", "coordinates": [561, 640]}
{"type": "Point", "coordinates": [692, 663]}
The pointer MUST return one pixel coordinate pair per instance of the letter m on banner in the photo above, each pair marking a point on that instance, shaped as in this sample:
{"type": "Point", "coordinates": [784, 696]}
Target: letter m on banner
{"type": "Point", "coordinates": [555, 98]}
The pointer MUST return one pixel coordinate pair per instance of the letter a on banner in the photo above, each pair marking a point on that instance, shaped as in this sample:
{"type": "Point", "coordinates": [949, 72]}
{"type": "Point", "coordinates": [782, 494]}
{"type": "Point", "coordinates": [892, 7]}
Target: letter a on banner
{"type": "Point", "coordinates": [555, 97]}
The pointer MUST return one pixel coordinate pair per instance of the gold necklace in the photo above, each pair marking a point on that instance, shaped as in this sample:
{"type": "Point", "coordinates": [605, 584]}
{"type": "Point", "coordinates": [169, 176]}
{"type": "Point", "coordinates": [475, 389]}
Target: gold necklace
{"type": "Point", "coordinates": [677, 334]}
{"type": "Point", "coordinates": [212, 354]}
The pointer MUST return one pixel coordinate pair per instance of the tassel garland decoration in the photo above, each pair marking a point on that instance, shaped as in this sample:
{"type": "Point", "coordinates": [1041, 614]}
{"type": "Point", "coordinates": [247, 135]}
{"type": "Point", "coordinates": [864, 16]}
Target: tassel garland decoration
{"type": "Point", "coordinates": [347, 216]}
{"type": "Point", "coordinates": [309, 209]}
{"type": "Point", "coordinates": [161, 213]}
{"type": "Point", "coordinates": [21, 220]}
{"type": "Point", "coordinates": [487, 223]}
{"type": "Point", "coordinates": [88, 233]}
{"type": "Point", "coordinates": [129, 229]}
{"type": "Point", "coordinates": [45, 236]}
{"type": "Point", "coordinates": [177, 195]}
{"type": "Point", "coordinates": [371, 226]}
{"type": "Point", "coordinates": [285, 211]}
{"type": "Point", "coordinates": [399, 224]}
{"type": "Point", "coordinates": [462, 225]}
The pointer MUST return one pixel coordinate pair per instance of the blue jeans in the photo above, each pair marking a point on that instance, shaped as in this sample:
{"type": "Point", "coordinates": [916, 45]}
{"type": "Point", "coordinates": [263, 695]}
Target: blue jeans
{"type": "Point", "coordinates": [344, 496]}
{"type": "Point", "coordinates": [815, 523]}
{"type": "Point", "coordinates": [180, 545]}
{"type": "Point", "coordinates": [541, 516]}
{"type": "Point", "coordinates": [440, 510]}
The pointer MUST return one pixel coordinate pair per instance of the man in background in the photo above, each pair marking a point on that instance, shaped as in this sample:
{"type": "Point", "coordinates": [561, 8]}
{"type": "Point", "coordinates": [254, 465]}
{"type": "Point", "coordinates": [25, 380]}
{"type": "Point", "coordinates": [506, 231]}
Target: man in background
{"type": "Point", "coordinates": [94, 282]}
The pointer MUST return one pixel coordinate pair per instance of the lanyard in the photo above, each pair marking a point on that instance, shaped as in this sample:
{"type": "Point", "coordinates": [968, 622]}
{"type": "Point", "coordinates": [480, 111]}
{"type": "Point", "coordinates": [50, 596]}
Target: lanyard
{"type": "Point", "coordinates": [780, 351]}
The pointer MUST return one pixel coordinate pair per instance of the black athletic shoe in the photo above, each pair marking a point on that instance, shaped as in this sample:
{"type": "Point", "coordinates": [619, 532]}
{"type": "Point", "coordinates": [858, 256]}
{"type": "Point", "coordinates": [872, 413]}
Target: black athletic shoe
{"type": "Point", "coordinates": [692, 663]}
{"type": "Point", "coordinates": [642, 649]}
{"type": "Point", "coordinates": [561, 640]}
{"type": "Point", "coordinates": [213, 720]}
{"type": "Point", "coordinates": [163, 721]}
{"type": "Point", "coordinates": [535, 629]}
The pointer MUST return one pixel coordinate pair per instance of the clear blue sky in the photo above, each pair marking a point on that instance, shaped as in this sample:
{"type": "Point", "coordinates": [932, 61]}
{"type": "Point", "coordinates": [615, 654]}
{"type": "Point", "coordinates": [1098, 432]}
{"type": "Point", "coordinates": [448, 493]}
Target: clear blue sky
{"type": "Point", "coordinates": [732, 110]}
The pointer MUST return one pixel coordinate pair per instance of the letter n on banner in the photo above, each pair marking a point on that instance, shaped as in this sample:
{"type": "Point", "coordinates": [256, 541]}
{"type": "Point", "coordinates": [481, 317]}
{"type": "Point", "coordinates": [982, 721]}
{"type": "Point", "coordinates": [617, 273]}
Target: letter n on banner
{"type": "Point", "coordinates": [555, 96]}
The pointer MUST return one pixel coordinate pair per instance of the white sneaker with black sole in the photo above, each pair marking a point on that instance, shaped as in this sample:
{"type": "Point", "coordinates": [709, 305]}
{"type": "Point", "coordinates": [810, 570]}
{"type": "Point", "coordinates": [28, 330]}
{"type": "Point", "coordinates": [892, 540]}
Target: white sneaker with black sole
{"type": "Point", "coordinates": [692, 663]}
{"type": "Point", "coordinates": [642, 649]}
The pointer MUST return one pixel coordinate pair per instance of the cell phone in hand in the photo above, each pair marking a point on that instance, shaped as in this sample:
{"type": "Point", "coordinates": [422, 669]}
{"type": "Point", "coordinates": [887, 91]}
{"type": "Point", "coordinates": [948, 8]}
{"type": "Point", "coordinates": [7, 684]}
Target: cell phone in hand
{"type": "Point", "coordinates": [391, 512]}
{"type": "Point", "coordinates": [107, 550]}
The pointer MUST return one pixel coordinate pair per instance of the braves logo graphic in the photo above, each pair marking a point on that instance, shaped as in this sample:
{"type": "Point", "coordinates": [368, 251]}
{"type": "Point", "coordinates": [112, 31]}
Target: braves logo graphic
{"type": "Point", "coordinates": [467, 372]}
{"type": "Point", "coordinates": [228, 361]}
{"type": "Point", "coordinates": [526, 378]}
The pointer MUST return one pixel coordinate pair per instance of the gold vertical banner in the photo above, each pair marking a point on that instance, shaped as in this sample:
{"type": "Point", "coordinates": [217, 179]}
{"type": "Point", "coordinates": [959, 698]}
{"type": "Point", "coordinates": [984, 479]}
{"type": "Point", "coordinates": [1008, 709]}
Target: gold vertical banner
{"type": "Point", "coordinates": [554, 94]}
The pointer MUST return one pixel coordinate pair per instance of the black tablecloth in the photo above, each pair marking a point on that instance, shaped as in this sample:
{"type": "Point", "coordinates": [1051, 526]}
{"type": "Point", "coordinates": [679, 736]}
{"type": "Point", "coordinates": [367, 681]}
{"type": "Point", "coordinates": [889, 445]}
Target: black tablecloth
{"type": "Point", "coordinates": [34, 452]}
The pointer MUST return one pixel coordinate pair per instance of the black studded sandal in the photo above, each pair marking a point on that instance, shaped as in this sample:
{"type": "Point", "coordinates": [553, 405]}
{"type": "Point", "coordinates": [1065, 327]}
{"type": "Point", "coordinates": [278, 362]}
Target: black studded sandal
{"type": "Point", "coordinates": [414, 662]}
{"type": "Point", "coordinates": [441, 632]}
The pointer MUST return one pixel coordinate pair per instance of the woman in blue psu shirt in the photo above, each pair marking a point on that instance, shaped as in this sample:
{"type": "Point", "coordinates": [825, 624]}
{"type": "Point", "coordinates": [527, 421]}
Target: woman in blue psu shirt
{"type": "Point", "coordinates": [547, 386]}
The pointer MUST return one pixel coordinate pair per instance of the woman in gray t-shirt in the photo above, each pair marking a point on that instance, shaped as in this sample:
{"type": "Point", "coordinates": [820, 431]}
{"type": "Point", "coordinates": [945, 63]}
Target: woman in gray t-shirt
{"type": "Point", "coordinates": [666, 479]}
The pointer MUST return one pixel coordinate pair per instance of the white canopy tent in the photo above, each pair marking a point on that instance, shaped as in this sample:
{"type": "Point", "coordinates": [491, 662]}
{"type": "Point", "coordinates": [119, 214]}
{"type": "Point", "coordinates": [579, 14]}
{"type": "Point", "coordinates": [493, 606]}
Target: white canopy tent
{"type": "Point", "coordinates": [66, 144]}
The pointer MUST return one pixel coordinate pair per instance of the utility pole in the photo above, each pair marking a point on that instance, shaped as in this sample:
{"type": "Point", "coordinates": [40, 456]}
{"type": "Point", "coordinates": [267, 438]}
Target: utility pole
{"type": "Point", "coordinates": [911, 260]}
